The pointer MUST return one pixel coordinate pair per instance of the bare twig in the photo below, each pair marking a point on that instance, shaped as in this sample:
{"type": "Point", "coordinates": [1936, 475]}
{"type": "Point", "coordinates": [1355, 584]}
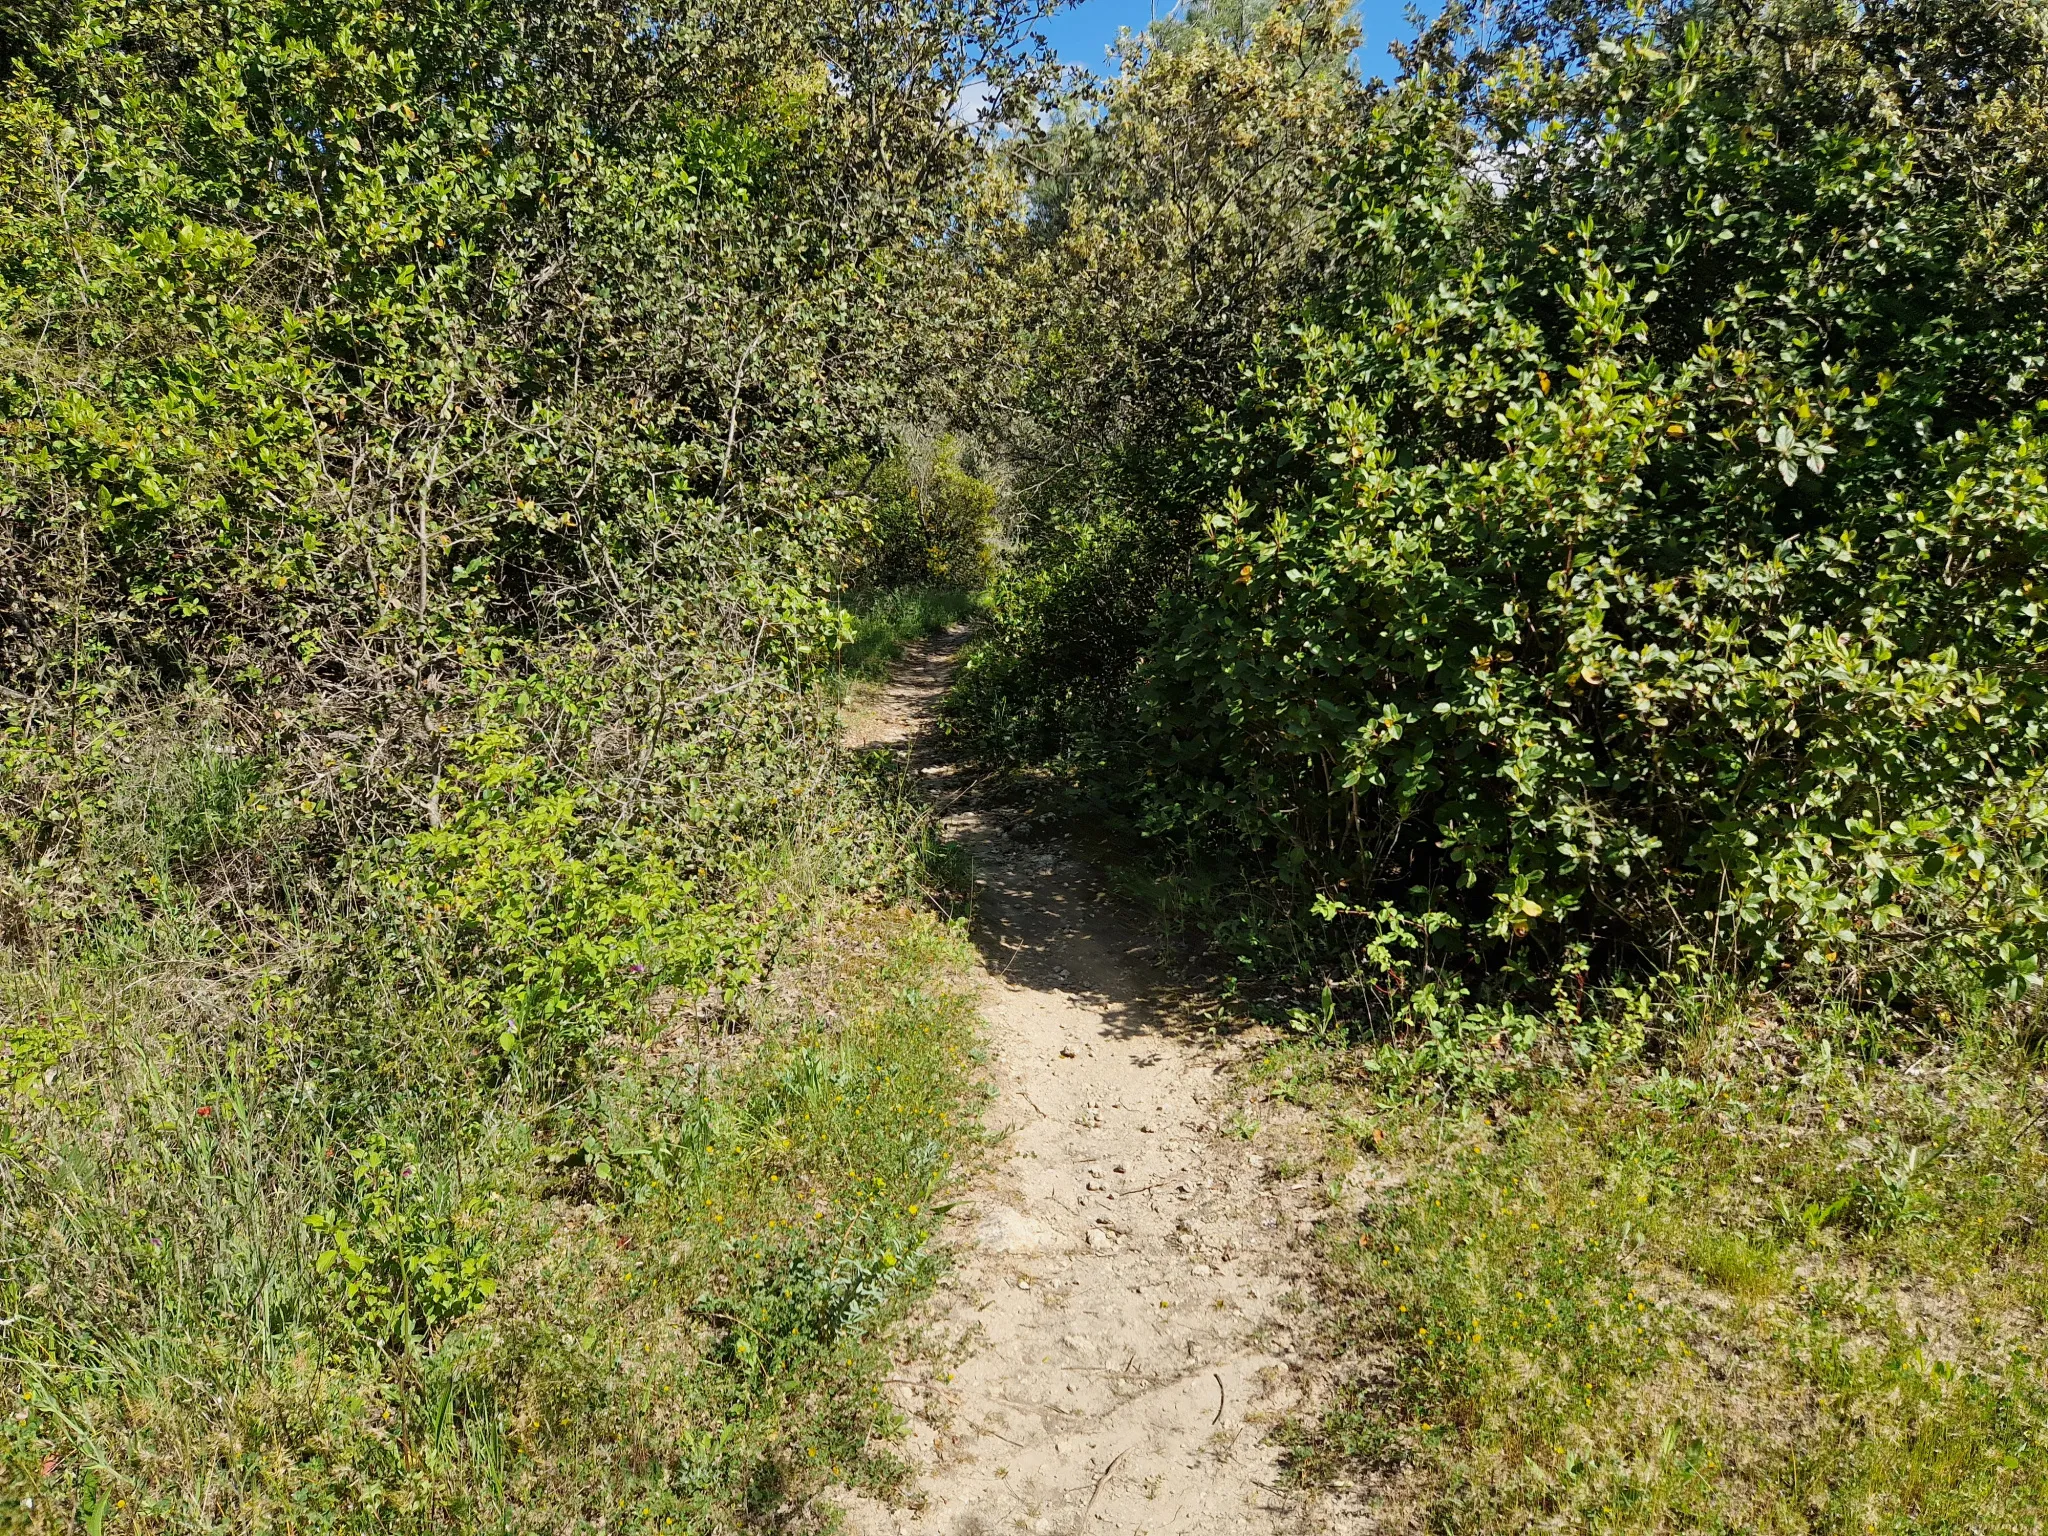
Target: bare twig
{"type": "Point", "coordinates": [1120, 1455]}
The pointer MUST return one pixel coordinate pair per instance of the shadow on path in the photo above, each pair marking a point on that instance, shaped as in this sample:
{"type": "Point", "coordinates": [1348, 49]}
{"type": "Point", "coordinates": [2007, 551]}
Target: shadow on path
{"type": "Point", "coordinates": [1116, 1324]}
{"type": "Point", "coordinates": [1043, 915]}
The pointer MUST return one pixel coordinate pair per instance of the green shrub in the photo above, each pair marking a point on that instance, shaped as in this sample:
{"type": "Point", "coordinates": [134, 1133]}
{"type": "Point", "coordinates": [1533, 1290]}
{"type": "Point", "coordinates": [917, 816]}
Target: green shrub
{"type": "Point", "coordinates": [403, 1270]}
{"type": "Point", "coordinates": [929, 517]}
{"type": "Point", "coordinates": [1642, 551]}
{"type": "Point", "coordinates": [1178, 210]}
{"type": "Point", "coordinates": [1065, 620]}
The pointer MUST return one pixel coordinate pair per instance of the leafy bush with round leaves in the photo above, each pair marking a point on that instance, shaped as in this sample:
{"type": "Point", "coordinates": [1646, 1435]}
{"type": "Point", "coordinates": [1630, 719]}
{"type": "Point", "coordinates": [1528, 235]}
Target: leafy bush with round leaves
{"type": "Point", "coordinates": [1647, 549]}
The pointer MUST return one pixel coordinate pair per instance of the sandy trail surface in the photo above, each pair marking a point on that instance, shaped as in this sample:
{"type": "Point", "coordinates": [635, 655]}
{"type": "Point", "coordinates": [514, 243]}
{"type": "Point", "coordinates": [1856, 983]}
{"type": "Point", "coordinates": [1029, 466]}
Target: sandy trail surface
{"type": "Point", "coordinates": [1118, 1334]}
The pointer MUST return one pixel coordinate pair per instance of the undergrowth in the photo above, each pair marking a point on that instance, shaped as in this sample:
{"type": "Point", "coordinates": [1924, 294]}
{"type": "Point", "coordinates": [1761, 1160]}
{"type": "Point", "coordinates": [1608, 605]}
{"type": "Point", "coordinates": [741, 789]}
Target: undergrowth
{"type": "Point", "coordinates": [1783, 1274]}
{"type": "Point", "coordinates": [885, 622]}
{"type": "Point", "coordinates": [278, 1265]}
{"type": "Point", "coordinates": [534, 1123]}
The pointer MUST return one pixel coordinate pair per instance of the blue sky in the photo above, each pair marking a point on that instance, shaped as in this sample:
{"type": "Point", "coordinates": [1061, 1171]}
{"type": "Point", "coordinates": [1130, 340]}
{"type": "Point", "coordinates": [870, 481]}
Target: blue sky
{"type": "Point", "coordinates": [1081, 33]}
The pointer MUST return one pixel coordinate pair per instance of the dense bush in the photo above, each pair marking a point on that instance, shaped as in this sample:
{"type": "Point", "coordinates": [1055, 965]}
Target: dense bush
{"type": "Point", "coordinates": [417, 555]}
{"type": "Point", "coordinates": [1636, 548]}
{"type": "Point", "coordinates": [335, 325]}
{"type": "Point", "coordinates": [929, 516]}
{"type": "Point", "coordinates": [1176, 211]}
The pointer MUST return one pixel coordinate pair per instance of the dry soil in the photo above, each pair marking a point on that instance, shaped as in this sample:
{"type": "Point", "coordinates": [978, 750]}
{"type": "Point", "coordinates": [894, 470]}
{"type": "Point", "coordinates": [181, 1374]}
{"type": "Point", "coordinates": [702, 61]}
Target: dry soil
{"type": "Point", "coordinates": [1120, 1330]}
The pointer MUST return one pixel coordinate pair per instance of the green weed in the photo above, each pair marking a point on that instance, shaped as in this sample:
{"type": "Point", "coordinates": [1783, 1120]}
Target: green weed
{"type": "Point", "coordinates": [1764, 1286]}
{"type": "Point", "coordinates": [884, 622]}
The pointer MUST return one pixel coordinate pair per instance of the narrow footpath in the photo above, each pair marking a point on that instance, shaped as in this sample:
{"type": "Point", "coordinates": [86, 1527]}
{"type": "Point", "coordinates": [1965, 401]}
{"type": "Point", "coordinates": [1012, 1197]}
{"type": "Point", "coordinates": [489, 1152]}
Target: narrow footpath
{"type": "Point", "coordinates": [1117, 1336]}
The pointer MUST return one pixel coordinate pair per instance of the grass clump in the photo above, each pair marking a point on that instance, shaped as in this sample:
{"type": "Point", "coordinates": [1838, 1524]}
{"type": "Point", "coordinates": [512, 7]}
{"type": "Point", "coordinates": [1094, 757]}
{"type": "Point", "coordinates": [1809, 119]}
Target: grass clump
{"type": "Point", "coordinates": [885, 622]}
{"type": "Point", "coordinates": [1737, 1263]}
{"type": "Point", "coordinates": [660, 1299]}
{"type": "Point", "coordinates": [1788, 1278]}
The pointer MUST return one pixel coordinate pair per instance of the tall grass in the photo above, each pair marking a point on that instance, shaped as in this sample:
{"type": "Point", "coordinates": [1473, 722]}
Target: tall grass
{"type": "Point", "coordinates": [291, 1240]}
{"type": "Point", "coordinates": [886, 622]}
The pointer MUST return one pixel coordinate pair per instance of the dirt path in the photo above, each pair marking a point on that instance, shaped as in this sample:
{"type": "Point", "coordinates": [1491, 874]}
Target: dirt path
{"type": "Point", "coordinates": [1121, 1305]}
